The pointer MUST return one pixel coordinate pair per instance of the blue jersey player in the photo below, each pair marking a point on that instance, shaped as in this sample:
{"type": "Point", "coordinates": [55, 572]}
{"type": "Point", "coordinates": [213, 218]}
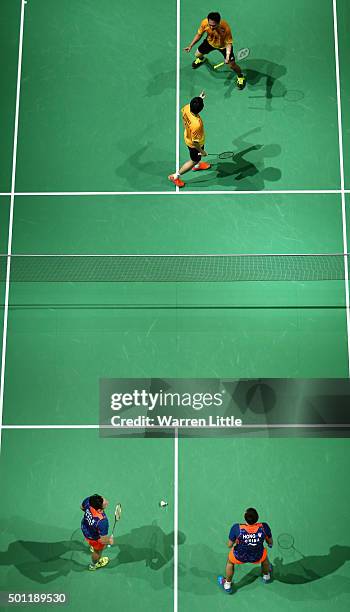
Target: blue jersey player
{"type": "Point", "coordinates": [246, 543]}
{"type": "Point", "coordinates": [94, 526]}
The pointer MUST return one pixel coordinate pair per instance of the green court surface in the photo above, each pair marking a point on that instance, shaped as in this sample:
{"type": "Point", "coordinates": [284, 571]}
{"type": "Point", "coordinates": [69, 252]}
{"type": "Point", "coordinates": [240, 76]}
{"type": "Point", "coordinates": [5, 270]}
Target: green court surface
{"type": "Point", "coordinates": [43, 550]}
{"type": "Point", "coordinates": [344, 52]}
{"type": "Point", "coordinates": [98, 114]}
{"type": "Point", "coordinates": [9, 31]}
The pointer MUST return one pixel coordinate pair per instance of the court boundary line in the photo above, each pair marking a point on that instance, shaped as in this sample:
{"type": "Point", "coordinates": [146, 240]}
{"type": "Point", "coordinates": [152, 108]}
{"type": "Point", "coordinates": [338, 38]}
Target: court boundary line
{"type": "Point", "coordinates": [177, 192]}
{"type": "Point", "coordinates": [176, 429]}
{"type": "Point", "coordinates": [176, 517]}
{"type": "Point", "coordinates": [181, 193]}
{"type": "Point", "coordinates": [11, 214]}
{"type": "Point", "coordinates": [342, 178]}
{"type": "Point", "coordinates": [233, 255]}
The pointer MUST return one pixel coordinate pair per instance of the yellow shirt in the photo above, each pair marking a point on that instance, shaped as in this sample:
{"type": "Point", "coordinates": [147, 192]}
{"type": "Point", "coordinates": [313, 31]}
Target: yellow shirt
{"type": "Point", "coordinates": [194, 129]}
{"type": "Point", "coordinates": [218, 38]}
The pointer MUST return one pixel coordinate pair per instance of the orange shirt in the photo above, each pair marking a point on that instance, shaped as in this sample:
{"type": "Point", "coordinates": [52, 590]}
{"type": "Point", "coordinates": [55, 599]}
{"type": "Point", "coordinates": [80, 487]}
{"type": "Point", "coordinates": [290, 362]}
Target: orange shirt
{"type": "Point", "coordinates": [218, 38]}
{"type": "Point", "coordinates": [194, 129]}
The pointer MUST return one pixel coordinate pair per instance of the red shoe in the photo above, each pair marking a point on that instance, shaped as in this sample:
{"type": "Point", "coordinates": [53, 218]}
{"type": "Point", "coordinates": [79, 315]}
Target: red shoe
{"type": "Point", "coordinates": [202, 166]}
{"type": "Point", "coordinates": [177, 181]}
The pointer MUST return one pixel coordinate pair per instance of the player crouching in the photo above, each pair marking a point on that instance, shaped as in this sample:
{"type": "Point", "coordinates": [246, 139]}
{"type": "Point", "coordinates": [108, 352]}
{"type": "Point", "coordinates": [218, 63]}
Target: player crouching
{"type": "Point", "coordinates": [219, 38]}
{"type": "Point", "coordinates": [246, 542]}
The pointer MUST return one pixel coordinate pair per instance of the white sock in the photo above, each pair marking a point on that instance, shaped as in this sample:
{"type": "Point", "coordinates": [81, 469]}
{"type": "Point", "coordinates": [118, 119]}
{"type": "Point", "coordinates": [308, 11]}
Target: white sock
{"type": "Point", "coordinates": [227, 585]}
{"type": "Point", "coordinates": [266, 577]}
{"type": "Point", "coordinates": [196, 165]}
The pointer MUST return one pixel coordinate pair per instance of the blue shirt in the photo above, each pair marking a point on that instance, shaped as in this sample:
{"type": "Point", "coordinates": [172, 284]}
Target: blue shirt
{"type": "Point", "coordinates": [249, 541]}
{"type": "Point", "coordinates": [94, 523]}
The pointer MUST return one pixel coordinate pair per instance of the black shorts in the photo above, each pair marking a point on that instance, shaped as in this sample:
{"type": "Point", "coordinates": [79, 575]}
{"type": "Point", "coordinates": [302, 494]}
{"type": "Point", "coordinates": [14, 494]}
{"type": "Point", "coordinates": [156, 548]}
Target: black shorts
{"type": "Point", "coordinates": [194, 154]}
{"type": "Point", "coordinates": [206, 48]}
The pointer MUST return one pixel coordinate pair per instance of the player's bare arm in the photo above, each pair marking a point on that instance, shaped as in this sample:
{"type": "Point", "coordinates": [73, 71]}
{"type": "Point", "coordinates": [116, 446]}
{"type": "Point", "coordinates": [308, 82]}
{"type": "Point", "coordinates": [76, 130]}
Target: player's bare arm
{"type": "Point", "coordinates": [228, 53]}
{"type": "Point", "coordinates": [194, 41]}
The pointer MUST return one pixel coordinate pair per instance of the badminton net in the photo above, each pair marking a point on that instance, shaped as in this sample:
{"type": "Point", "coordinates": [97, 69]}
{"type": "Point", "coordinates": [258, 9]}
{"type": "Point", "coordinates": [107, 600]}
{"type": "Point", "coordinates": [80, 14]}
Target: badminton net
{"type": "Point", "coordinates": [173, 268]}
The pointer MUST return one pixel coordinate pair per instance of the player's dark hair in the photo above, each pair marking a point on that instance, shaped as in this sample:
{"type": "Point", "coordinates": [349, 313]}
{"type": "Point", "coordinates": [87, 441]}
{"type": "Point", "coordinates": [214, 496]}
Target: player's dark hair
{"type": "Point", "coordinates": [251, 516]}
{"type": "Point", "coordinates": [215, 17]}
{"type": "Point", "coordinates": [96, 501]}
{"type": "Point", "coordinates": [196, 105]}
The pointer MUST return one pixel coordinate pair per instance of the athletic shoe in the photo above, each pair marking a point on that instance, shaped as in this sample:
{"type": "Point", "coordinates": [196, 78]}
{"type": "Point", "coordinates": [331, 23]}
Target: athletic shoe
{"type": "Point", "coordinates": [198, 62]}
{"type": "Point", "coordinates": [267, 580]}
{"type": "Point", "coordinates": [101, 563]}
{"type": "Point", "coordinates": [241, 82]}
{"type": "Point", "coordinates": [177, 181]}
{"type": "Point", "coordinates": [221, 582]}
{"type": "Point", "coordinates": [201, 166]}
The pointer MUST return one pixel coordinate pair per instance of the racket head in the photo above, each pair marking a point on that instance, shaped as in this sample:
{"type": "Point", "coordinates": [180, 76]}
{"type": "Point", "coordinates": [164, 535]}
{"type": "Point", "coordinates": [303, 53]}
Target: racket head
{"type": "Point", "coordinates": [118, 512]}
{"type": "Point", "coordinates": [243, 53]}
{"type": "Point", "coordinates": [226, 155]}
{"type": "Point", "coordinates": [294, 95]}
{"type": "Point", "coordinates": [285, 541]}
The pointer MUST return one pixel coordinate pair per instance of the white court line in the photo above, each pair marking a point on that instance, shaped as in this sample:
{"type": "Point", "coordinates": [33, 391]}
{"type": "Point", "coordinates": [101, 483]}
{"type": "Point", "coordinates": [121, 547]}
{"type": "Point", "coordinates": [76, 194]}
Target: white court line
{"type": "Point", "coordinates": [155, 255]}
{"type": "Point", "coordinates": [181, 193]}
{"type": "Point", "coordinates": [177, 97]}
{"type": "Point", "coordinates": [342, 183]}
{"type": "Point", "coordinates": [176, 456]}
{"type": "Point", "coordinates": [176, 517]}
{"type": "Point", "coordinates": [9, 242]}
{"type": "Point", "coordinates": [177, 192]}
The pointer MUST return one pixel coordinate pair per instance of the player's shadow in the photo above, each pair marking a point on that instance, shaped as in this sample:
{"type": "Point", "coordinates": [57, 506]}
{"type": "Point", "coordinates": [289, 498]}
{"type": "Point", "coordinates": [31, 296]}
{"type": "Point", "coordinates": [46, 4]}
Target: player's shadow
{"type": "Point", "coordinates": [202, 565]}
{"type": "Point", "coordinates": [147, 160]}
{"type": "Point", "coordinates": [262, 76]}
{"type": "Point", "coordinates": [148, 544]}
{"type": "Point", "coordinates": [43, 562]}
{"type": "Point", "coordinates": [311, 568]}
{"type": "Point", "coordinates": [248, 170]}
{"type": "Point", "coordinates": [158, 82]}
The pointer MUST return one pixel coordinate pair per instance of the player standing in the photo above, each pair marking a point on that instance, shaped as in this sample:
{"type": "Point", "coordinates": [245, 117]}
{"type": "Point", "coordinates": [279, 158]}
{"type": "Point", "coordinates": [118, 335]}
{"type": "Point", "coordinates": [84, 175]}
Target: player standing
{"type": "Point", "coordinates": [219, 37]}
{"type": "Point", "coordinates": [94, 526]}
{"type": "Point", "coordinates": [194, 136]}
{"type": "Point", "coordinates": [246, 541]}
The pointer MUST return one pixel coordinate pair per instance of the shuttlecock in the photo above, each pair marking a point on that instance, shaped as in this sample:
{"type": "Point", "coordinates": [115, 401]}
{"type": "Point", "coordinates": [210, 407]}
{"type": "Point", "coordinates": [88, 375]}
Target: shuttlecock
{"type": "Point", "coordinates": [163, 504]}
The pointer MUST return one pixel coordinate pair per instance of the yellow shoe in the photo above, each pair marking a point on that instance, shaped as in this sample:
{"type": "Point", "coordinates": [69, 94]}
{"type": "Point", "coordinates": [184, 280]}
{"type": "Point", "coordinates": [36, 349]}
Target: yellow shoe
{"type": "Point", "coordinates": [101, 563]}
{"type": "Point", "coordinates": [241, 82]}
{"type": "Point", "coordinates": [198, 62]}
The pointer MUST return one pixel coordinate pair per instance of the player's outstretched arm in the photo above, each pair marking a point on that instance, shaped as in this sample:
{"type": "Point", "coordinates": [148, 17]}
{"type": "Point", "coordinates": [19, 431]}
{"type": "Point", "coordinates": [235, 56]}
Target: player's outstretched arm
{"type": "Point", "coordinates": [196, 39]}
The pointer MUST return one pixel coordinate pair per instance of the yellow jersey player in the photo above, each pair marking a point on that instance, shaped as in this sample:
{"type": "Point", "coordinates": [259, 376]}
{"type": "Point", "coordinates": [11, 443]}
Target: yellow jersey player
{"type": "Point", "coordinates": [194, 136]}
{"type": "Point", "coordinates": [219, 37]}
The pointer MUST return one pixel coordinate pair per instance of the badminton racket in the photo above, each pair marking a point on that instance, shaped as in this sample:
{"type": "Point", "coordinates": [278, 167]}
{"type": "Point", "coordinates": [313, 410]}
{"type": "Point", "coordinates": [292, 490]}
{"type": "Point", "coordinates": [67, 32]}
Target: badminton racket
{"type": "Point", "coordinates": [224, 155]}
{"type": "Point", "coordinates": [285, 541]}
{"type": "Point", "coordinates": [117, 516]}
{"type": "Point", "coordinates": [241, 55]}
